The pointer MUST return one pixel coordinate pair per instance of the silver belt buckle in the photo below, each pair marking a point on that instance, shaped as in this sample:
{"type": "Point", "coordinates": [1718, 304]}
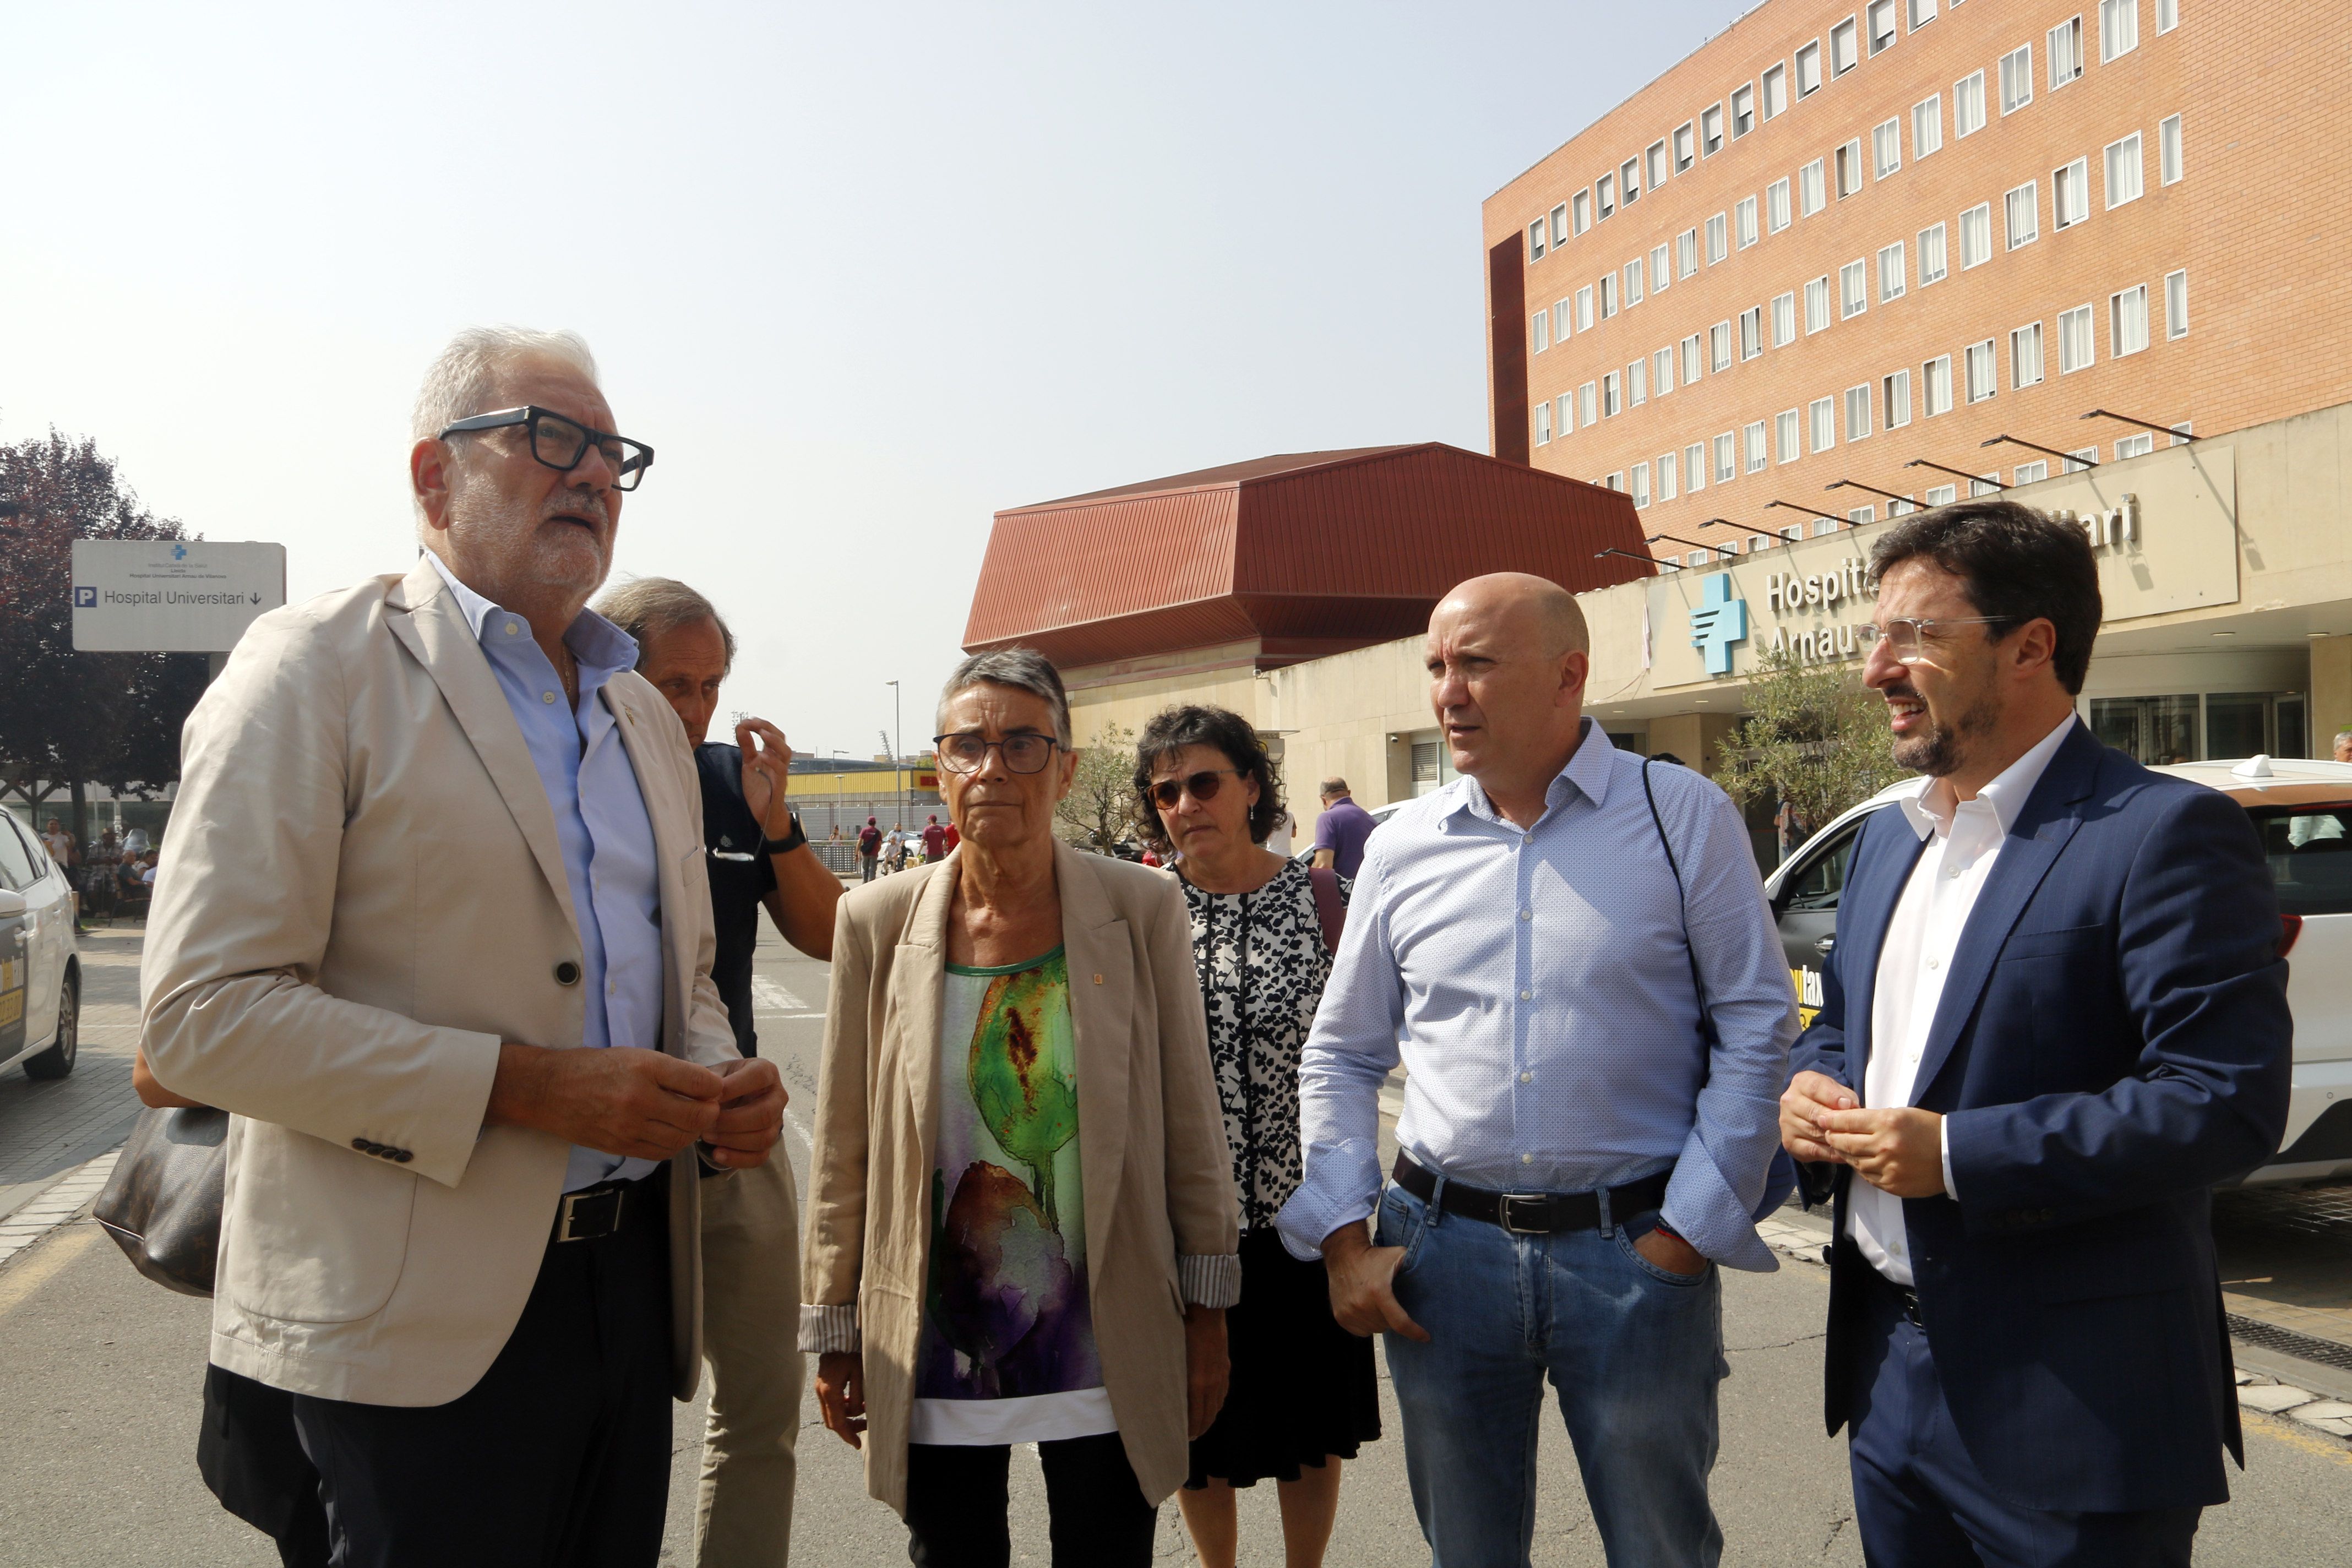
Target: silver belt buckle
{"type": "Point", "coordinates": [572, 1212]}
{"type": "Point", "coordinates": [1503, 1213]}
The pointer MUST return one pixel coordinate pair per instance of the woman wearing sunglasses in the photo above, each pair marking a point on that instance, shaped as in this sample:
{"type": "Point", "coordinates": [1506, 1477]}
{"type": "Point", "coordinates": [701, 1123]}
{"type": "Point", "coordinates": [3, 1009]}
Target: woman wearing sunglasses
{"type": "Point", "coordinates": [1021, 1220]}
{"type": "Point", "coordinates": [1304, 1395]}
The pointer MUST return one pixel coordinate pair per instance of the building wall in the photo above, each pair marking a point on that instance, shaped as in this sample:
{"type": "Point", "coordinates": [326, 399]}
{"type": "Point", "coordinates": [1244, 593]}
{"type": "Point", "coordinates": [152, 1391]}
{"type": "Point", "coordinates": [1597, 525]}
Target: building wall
{"type": "Point", "coordinates": [2258, 221]}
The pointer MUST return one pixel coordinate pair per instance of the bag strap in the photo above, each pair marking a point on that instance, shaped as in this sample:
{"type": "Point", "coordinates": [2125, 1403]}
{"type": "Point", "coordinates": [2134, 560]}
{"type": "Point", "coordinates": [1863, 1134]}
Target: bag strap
{"type": "Point", "coordinates": [1682, 906]}
{"type": "Point", "coordinates": [1329, 910]}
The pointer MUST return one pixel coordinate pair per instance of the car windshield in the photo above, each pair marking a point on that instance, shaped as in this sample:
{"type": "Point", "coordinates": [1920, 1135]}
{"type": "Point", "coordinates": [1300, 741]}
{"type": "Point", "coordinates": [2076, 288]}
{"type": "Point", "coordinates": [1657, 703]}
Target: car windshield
{"type": "Point", "coordinates": [2309, 849]}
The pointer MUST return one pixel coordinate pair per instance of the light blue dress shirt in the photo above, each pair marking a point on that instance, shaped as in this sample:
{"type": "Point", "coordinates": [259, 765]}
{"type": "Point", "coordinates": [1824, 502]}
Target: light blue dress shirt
{"type": "Point", "coordinates": [607, 838]}
{"type": "Point", "coordinates": [1536, 986]}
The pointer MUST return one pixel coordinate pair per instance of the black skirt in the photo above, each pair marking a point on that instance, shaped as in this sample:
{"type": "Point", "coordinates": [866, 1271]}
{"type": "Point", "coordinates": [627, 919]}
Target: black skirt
{"type": "Point", "coordinates": [1303, 1387]}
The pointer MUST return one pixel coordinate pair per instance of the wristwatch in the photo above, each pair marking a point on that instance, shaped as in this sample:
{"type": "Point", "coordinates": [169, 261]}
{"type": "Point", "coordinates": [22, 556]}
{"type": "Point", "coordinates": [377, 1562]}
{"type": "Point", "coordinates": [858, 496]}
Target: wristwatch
{"type": "Point", "coordinates": [789, 841]}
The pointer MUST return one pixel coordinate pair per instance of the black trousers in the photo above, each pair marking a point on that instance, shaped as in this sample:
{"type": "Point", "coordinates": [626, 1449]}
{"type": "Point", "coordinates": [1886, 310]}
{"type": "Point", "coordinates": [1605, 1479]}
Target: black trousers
{"type": "Point", "coordinates": [558, 1457]}
{"type": "Point", "coordinates": [252, 1460]}
{"type": "Point", "coordinates": [957, 1497]}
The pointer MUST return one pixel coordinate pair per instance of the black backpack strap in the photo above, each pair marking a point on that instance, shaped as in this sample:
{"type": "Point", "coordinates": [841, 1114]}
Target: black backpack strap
{"type": "Point", "coordinates": [1682, 904]}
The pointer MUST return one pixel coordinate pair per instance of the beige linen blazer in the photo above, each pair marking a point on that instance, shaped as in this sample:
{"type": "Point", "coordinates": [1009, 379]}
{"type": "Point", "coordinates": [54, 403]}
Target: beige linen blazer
{"type": "Point", "coordinates": [1151, 1141]}
{"type": "Point", "coordinates": [362, 895]}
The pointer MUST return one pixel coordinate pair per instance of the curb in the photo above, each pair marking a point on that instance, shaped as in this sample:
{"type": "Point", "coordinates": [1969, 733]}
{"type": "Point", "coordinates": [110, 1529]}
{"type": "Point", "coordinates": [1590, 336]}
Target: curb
{"type": "Point", "coordinates": [59, 1204]}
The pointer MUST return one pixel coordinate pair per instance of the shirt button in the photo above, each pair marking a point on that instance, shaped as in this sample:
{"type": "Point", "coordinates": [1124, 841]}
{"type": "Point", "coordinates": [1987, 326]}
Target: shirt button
{"type": "Point", "coordinates": [547, 697]}
{"type": "Point", "coordinates": [1526, 1078]}
{"type": "Point", "coordinates": [1530, 839]}
{"type": "Point", "coordinates": [1935, 963]}
{"type": "Point", "coordinates": [512, 628]}
{"type": "Point", "coordinates": [1526, 1159]}
{"type": "Point", "coordinates": [1526, 914]}
{"type": "Point", "coordinates": [1526, 995]}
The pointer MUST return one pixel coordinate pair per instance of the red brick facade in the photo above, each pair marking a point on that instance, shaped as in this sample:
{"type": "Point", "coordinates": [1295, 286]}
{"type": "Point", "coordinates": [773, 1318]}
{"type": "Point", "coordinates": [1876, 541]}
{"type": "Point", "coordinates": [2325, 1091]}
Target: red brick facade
{"type": "Point", "coordinates": [2258, 220]}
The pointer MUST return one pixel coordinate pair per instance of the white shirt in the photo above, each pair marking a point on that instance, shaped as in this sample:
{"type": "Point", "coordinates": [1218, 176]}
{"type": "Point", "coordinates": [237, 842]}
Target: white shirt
{"type": "Point", "coordinates": [1964, 838]}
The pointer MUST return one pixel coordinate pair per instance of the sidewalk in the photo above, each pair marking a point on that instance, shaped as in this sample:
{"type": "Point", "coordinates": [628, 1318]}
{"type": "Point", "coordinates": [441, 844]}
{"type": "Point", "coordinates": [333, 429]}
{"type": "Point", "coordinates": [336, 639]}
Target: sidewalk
{"type": "Point", "coordinates": [46, 1129]}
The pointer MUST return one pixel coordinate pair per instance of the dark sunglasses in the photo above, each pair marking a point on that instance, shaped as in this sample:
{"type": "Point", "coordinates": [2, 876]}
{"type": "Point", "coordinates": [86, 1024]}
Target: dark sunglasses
{"type": "Point", "coordinates": [1202, 786]}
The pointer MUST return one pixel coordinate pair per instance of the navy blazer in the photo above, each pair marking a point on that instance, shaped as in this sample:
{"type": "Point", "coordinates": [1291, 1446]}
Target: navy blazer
{"type": "Point", "coordinates": [2113, 1040]}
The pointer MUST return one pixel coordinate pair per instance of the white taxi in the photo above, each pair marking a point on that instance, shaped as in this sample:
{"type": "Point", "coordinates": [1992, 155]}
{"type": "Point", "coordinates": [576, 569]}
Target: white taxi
{"type": "Point", "coordinates": [40, 963]}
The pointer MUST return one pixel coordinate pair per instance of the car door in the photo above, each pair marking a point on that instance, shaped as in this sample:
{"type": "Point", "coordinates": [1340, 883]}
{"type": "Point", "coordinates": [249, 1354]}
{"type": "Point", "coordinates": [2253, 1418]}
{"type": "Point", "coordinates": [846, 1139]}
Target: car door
{"type": "Point", "coordinates": [49, 906]}
{"type": "Point", "coordinates": [17, 936]}
{"type": "Point", "coordinates": [1805, 907]}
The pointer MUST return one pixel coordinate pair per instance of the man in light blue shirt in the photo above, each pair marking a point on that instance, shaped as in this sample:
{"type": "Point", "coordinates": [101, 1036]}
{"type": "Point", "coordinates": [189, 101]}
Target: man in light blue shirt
{"type": "Point", "coordinates": [1584, 1138]}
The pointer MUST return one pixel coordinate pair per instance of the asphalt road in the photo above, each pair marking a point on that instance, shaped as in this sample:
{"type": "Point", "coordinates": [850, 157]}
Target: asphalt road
{"type": "Point", "coordinates": [100, 1372]}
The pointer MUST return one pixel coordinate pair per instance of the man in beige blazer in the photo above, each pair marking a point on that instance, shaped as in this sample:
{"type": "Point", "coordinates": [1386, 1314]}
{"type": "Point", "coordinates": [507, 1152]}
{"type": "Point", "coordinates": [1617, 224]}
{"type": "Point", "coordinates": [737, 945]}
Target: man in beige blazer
{"type": "Point", "coordinates": [433, 837]}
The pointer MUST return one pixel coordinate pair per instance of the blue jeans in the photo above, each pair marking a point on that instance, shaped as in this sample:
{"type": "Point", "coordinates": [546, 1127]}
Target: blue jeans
{"type": "Point", "coordinates": [1634, 1354]}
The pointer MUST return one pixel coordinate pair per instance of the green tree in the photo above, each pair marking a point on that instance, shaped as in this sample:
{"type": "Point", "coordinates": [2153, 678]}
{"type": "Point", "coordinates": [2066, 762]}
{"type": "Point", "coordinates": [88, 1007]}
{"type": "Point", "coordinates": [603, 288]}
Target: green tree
{"type": "Point", "coordinates": [69, 720]}
{"type": "Point", "coordinates": [1099, 810]}
{"type": "Point", "coordinates": [1814, 736]}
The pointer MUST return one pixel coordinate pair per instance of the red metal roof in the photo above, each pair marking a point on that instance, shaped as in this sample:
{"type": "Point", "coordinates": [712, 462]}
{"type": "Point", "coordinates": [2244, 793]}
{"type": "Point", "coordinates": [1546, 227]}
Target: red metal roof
{"type": "Point", "coordinates": [1308, 553]}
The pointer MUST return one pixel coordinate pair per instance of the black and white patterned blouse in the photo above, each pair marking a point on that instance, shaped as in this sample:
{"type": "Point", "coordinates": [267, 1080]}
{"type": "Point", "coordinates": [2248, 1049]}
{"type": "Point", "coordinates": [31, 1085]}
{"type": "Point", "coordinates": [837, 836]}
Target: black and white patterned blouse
{"type": "Point", "coordinates": [1263, 965]}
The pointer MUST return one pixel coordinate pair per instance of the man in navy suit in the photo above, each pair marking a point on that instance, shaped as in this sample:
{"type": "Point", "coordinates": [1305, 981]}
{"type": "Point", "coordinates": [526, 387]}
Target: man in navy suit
{"type": "Point", "coordinates": [2056, 1015]}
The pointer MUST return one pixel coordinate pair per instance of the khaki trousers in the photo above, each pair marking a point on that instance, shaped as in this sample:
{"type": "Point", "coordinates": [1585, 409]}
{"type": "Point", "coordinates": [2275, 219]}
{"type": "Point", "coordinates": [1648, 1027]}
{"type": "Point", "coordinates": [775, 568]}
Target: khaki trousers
{"type": "Point", "coordinates": [751, 1327]}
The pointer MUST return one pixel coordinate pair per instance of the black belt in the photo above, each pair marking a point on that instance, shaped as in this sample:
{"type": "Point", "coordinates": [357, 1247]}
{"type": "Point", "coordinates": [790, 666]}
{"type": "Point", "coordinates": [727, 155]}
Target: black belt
{"type": "Point", "coordinates": [1905, 1298]}
{"type": "Point", "coordinates": [1532, 1214]}
{"type": "Point", "coordinates": [594, 1213]}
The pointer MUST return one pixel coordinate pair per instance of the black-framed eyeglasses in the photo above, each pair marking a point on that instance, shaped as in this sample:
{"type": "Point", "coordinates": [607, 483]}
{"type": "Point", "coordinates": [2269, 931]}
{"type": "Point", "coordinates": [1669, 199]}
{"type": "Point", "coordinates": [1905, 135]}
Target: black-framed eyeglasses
{"type": "Point", "coordinates": [561, 442]}
{"type": "Point", "coordinates": [1906, 636]}
{"type": "Point", "coordinates": [1202, 786]}
{"type": "Point", "coordinates": [1023, 752]}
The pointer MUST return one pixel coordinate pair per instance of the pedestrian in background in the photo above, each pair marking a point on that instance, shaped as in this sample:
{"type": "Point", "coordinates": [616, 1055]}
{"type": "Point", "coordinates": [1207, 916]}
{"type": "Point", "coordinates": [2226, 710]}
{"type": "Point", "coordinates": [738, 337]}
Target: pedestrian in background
{"type": "Point", "coordinates": [757, 857]}
{"type": "Point", "coordinates": [2343, 747]}
{"type": "Point", "coordinates": [437, 936]}
{"type": "Point", "coordinates": [999, 1255]}
{"type": "Point", "coordinates": [935, 840]}
{"type": "Point", "coordinates": [1305, 1397]}
{"type": "Point", "coordinates": [2054, 1017]}
{"type": "Point", "coordinates": [1341, 829]}
{"type": "Point", "coordinates": [869, 850]}
{"type": "Point", "coordinates": [1594, 1013]}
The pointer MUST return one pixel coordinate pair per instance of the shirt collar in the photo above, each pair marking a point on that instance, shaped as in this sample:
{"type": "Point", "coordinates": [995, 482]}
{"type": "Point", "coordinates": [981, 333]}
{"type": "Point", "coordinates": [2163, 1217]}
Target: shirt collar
{"type": "Point", "coordinates": [1931, 805]}
{"type": "Point", "coordinates": [1587, 773]}
{"type": "Point", "coordinates": [603, 648]}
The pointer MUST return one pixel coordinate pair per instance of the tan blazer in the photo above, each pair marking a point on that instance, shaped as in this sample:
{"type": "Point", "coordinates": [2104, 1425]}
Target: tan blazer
{"type": "Point", "coordinates": [1152, 1142]}
{"type": "Point", "coordinates": [362, 895]}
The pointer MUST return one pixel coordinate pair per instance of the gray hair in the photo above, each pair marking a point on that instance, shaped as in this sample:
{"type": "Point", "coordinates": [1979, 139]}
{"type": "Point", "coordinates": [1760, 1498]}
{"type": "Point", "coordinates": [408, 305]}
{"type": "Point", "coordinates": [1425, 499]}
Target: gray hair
{"type": "Point", "coordinates": [462, 377]}
{"type": "Point", "coordinates": [647, 606]}
{"type": "Point", "coordinates": [1024, 669]}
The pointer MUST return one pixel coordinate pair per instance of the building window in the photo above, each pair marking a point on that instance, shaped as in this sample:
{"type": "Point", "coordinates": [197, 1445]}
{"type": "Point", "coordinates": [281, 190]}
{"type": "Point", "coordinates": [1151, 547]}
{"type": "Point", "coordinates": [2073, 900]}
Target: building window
{"type": "Point", "coordinates": [1641, 485]}
{"type": "Point", "coordinates": [1776, 205]}
{"type": "Point", "coordinates": [1975, 235]}
{"type": "Point", "coordinates": [1758, 456]}
{"type": "Point", "coordinates": [1719, 239]}
{"type": "Point", "coordinates": [1824, 526]}
{"type": "Point", "coordinates": [1579, 207]}
{"type": "Point", "coordinates": [1810, 195]}
{"type": "Point", "coordinates": [1607, 187]}
{"type": "Point", "coordinates": [1560, 225]}
{"type": "Point", "coordinates": [2020, 210]}
{"type": "Point", "coordinates": [1881, 26]}
{"type": "Point", "coordinates": [2183, 433]}
{"type": "Point", "coordinates": [1612, 397]}
{"type": "Point", "coordinates": [1710, 130]}
{"type": "Point", "coordinates": [1743, 110]}
{"type": "Point", "coordinates": [2017, 79]}
{"type": "Point", "coordinates": [1634, 275]}
{"type": "Point", "coordinates": [1820, 418]}
{"type": "Point", "coordinates": [1567, 412]}
{"type": "Point", "coordinates": [1809, 70]}
{"type": "Point", "coordinates": [2025, 356]}
{"type": "Point", "coordinates": [1926, 126]}
{"type": "Point", "coordinates": [1668, 486]}
{"type": "Point", "coordinates": [1941, 495]}
{"type": "Point", "coordinates": [1794, 534]}
{"type": "Point", "coordinates": [1637, 384]}
{"type": "Point", "coordinates": [1687, 253]}
{"type": "Point", "coordinates": [2065, 52]}
{"type": "Point", "coordinates": [1968, 104]}
{"type": "Point", "coordinates": [2074, 350]}
{"type": "Point", "coordinates": [1616, 481]}
{"type": "Point", "coordinates": [1654, 166]}
{"type": "Point", "coordinates": [1660, 273]}
{"type": "Point", "coordinates": [1922, 13]}
{"type": "Point", "coordinates": [1985, 485]}
{"type": "Point", "coordinates": [1790, 433]}
{"type": "Point", "coordinates": [1784, 319]}
{"type": "Point", "coordinates": [1686, 147]}
{"type": "Point", "coordinates": [1694, 465]}
{"type": "Point", "coordinates": [1535, 241]}
{"type": "Point", "coordinates": [1563, 314]}
{"type": "Point", "coordinates": [1629, 174]}
{"type": "Point", "coordinates": [1890, 272]}
{"type": "Point", "coordinates": [1857, 413]}
{"type": "Point", "coordinates": [1608, 295]}
{"type": "Point", "coordinates": [2031, 473]}
{"type": "Point", "coordinates": [2138, 445]}
{"type": "Point", "coordinates": [1849, 168]}
{"type": "Point", "coordinates": [1540, 332]}
{"type": "Point", "coordinates": [2176, 305]}
{"type": "Point", "coordinates": [1586, 405]}
{"type": "Point", "coordinates": [1726, 458]}
{"type": "Point", "coordinates": [2079, 460]}
{"type": "Point", "coordinates": [1886, 148]}
{"type": "Point", "coordinates": [1855, 516]}
{"type": "Point", "coordinates": [1845, 51]}
{"type": "Point", "coordinates": [2167, 15]}
{"type": "Point", "coordinates": [1718, 338]}
{"type": "Point", "coordinates": [1936, 385]}
{"type": "Point", "coordinates": [1662, 371]}
{"type": "Point", "coordinates": [1854, 289]}
{"type": "Point", "coordinates": [2127, 322]}
{"type": "Point", "coordinates": [1817, 304]}
{"type": "Point", "coordinates": [1983, 372]}
{"type": "Point", "coordinates": [2070, 194]}
{"type": "Point", "coordinates": [1584, 308]}
{"type": "Point", "coordinates": [1776, 91]}
{"type": "Point", "coordinates": [2118, 28]}
{"type": "Point", "coordinates": [1745, 212]}
{"type": "Point", "coordinates": [2168, 150]}
{"type": "Point", "coordinates": [2123, 171]}
{"type": "Point", "coordinates": [1931, 254]}
{"type": "Point", "coordinates": [1543, 424]}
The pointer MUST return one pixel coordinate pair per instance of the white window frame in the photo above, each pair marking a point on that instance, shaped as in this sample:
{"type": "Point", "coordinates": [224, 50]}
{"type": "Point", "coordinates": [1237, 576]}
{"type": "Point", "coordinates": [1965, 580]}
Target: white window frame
{"type": "Point", "coordinates": [1584, 308]}
{"type": "Point", "coordinates": [1857, 413]}
{"type": "Point", "coordinates": [1981, 374]}
{"type": "Point", "coordinates": [1719, 239]}
{"type": "Point", "coordinates": [1743, 121]}
{"type": "Point", "coordinates": [1855, 516]}
{"type": "Point", "coordinates": [1607, 294]}
{"type": "Point", "coordinates": [1922, 13]}
{"type": "Point", "coordinates": [1777, 214]}
{"type": "Point", "coordinates": [1560, 225]}
{"type": "Point", "coordinates": [1775, 99]}
{"type": "Point", "coordinates": [1612, 395]}
{"type": "Point", "coordinates": [1744, 210]}
{"type": "Point", "coordinates": [2079, 460]}
{"type": "Point", "coordinates": [1927, 126]}
{"type": "Point", "coordinates": [1563, 317]}
{"type": "Point", "coordinates": [1641, 488]}
{"type": "Point", "coordinates": [1653, 166]}
{"type": "Point", "coordinates": [2168, 15]}
{"type": "Point", "coordinates": [1535, 242]}
{"type": "Point", "coordinates": [1809, 70]}
{"type": "Point", "coordinates": [1637, 383]}
{"type": "Point", "coordinates": [2025, 364]}
{"type": "Point", "coordinates": [1694, 468]}
{"type": "Point", "coordinates": [1604, 197]}
{"type": "Point", "coordinates": [2134, 445]}
{"type": "Point", "coordinates": [2016, 79]}
{"type": "Point", "coordinates": [1813, 187]}
{"type": "Point", "coordinates": [1662, 371]}
{"type": "Point", "coordinates": [1887, 147]}
{"type": "Point", "coordinates": [2125, 157]}
{"type": "Point", "coordinates": [1934, 255]}
{"type": "Point", "coordinates": [1892, 280]}
{"type": "Point", "coordinates": [1668, 478]}
{"type": "Point", "coordinates": [1727, 457]}
{"type": "Point", "coordinates": [1710, 142]}
{"type": "Point", "coordinates": [2070, 194]}
{"type": "Point", "coordinates": [1686, 254]}
{"type": "Point", "coordinates": [1662, 272]}
{"type": "Point", "coordinates": [2065, 43]}
{"type": "Point", "coordinates": [1820, 424]}
{"type": "Point", "coordinates": [2176, 305]}
{"type": "Point", "coordinates": [1540, 332]}
{"type": "Point", "coordinates": [2031, 473]}
{"type": "Point", "coordinates": [1981, 248]}
{"type": "Point", "coordinates": [1784, 319]}
{"type": "Point", "coordinates": [1941, 495]}
{"type": "Point", "coordinates": [1853, 288]}
{"type": "Point", "coordinates": [1968, 105]}
{"type": "Point", "coordinates": [2168, 151]}
{"type": "Point", "coordinates": [1894, 398]}
{"type": "Point", "coordinates": [2130, 328]}
{"type": "Point", "coordinates": [1629, 181]}
{"type": "Point", "coordinates": [1880, 40]}
{"type": "Point", "coordinates": [2118, 29]}
{"type": "Point", "coordinates": [2021, 216]}
{"type": "Point", "coordinates": [1543, 423]}
{"type": "Point", "coordinates": [1849, 168]}
{"type": "Point", "coordinates": [1845, 47]}
{"type": "Point", "coordinates": [1719, 349]}
{"type": "Point", "coordinates": [1819, 311]}
{"type": "Point", "coordinates": [1757, 436]}
{"type": "Point", "coordinates": [1636, 275]}
{"type": "Point", "coordinates": [2078, 346]}
{"type": "Point", "coordinates": [1788, 435]}
{"type": "Point", "coordinates": [1579, 207]}
{"type": "Point", "coordinates": [1588, 404]}
{"type": "Point", "coordinates": [1935, 386]}
{"type": "Point", "coordinates": [1566, 421]}
{"type": "Point", "coordinates": [1693, 359]}
{"type": "Point", "coordinates": [1686, 147]}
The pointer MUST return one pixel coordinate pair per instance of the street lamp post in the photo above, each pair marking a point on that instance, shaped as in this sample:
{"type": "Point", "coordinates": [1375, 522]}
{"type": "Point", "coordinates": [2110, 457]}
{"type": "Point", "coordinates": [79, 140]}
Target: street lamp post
{"type": "Point", "coordinates": [898, 752]}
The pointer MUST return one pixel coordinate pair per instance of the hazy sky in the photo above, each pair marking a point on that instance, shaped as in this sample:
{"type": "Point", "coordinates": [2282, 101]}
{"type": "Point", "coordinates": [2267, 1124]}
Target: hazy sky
{"type": "Point", "coordinates": [863, 275]}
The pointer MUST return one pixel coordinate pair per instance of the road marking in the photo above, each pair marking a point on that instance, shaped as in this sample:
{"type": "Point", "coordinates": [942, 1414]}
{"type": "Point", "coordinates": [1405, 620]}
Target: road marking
{"type": "Point", "coordinates": [20, 1282]}
{"type": "Point", "coordinates": [800, 1131]}
{"type": "Point", "coordinates": [2278, 1426]}
{"type": "Point", "coordinates": [767, 996]}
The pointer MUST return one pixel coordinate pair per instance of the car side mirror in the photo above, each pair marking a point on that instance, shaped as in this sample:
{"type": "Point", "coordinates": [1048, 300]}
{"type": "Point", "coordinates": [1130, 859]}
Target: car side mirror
{"type": "Point", "coordinates": [11, 904]}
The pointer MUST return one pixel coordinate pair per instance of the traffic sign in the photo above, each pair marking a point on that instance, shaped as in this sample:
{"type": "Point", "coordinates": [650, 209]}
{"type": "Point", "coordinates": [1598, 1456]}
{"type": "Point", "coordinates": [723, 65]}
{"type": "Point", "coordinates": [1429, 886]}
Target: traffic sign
{"type": "Point", "coordinates": [171, 596]}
